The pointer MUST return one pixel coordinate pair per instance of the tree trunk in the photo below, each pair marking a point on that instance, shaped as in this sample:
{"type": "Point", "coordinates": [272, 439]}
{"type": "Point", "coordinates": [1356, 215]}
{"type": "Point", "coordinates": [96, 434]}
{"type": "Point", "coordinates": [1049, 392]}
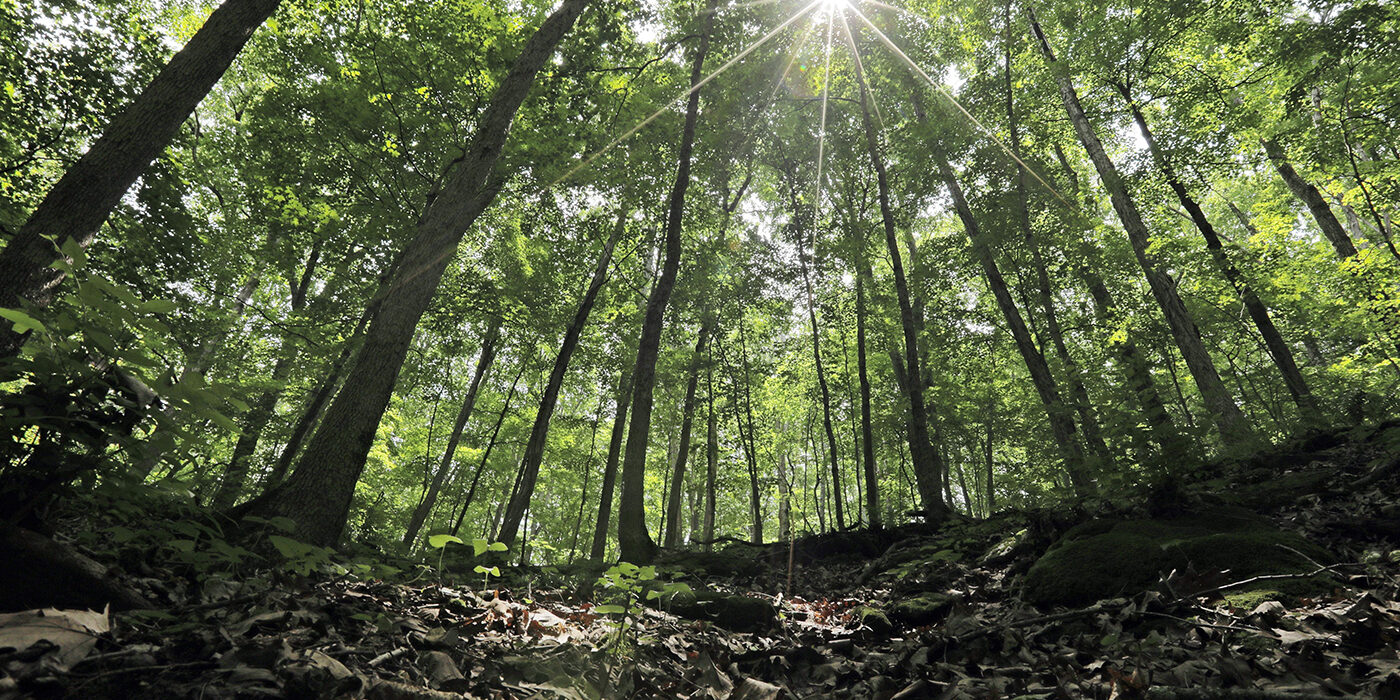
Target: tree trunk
{"type": "Point", "coordinates": [260, 412]}
{"type": "Point", "coordinates": [483, 365]}
{"type": "Point", "coordinates": [872, 484]}
{"type": "Point", "coordinates": [1230, 421]}
{"type": "Point", "coordinates": [840, 511]}
{"type": "Point", "coordinates": [1061, 424]}
{"type": "Point", "coordinates": [605, 495]}
{"type": "Point", "coordinates": [928, 466]}
{"type": "Point", "coordinates": [1093, 432]}
{"type": "Point", "coordinates": [633, 540]}
{"type": "Point", "coordinates": [309, 415]}
{"type": "Point", "coordinates": [1306, 193]}
{"type": "Point", "coordinates": [672, 536]}
{"type": "Point", "coordinates": [1273, 340]}
{"type": "Point", "coordinates": [490, 445]}
{"type": "Point", "coordinates": [711, 458]}
{"type": "Point", "coordinates": [317, 496]}
{"type": "Point", "coordinates": [539, 433]}
{"type": "Point", "coordinates": [587, 473]}
{"type": "Point", "coordinates": [74, 209]}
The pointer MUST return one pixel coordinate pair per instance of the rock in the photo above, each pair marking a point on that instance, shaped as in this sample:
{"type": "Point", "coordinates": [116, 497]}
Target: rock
{"type": "Point", "coordinates": [874, 618]}
{"type": "Point", "coordinates": [923, 609]}
{"type": "Point", "coordinates": [1107, 558]}
{"type": "Point", "coordinates": [732, 612]}
{"type": "Point", "coordinates": [1004, 550]}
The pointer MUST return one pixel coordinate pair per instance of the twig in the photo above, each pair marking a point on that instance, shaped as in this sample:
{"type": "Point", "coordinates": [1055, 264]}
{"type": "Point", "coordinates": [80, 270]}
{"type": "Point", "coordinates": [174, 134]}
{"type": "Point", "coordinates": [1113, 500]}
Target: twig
{"type": "Point", "coordinates": [1256, 579]}
{"type": "Point", "coordinates": [1161, 693]}
{"type": "Point", "coordinates": [1056, 617]}
{"type": "Point", "coordinates": [388, 656]}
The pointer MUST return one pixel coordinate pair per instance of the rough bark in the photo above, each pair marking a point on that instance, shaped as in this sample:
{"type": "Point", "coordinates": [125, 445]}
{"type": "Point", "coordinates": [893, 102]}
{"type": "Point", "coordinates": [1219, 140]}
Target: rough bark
{"type": "Point", "coordinates": [633, 539]}
{"type": "Point", "coordinates": [539, 433]}
{"type": "Point", "coordinates": [1311, 198]}
{"type": "Point", "coordinates": [1230, 421]}
{"type": "Point", "coordinates": [317, 496]}
{"type": "Point", "coordinates": [1278, 348]}
{"type": "Point", "coordinates": [464, 414]}
{"type": "Point", "coordinates": [74, 209]}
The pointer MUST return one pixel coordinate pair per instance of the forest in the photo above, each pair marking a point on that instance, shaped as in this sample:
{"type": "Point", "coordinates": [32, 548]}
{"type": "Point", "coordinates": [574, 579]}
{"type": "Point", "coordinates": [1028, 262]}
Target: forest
{"type": "Point", "coordinates": [700, 348]}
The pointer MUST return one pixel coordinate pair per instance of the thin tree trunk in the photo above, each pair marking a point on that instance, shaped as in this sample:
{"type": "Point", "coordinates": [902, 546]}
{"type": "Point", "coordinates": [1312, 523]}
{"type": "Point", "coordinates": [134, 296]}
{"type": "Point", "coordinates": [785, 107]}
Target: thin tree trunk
{"type": "Point", "coordinates": [1092, 431]}
{"type": "Point", "coordinates": [928, 466]}
{"type": "Point", "coordinates": [711, 457]}
{"type": "Point", "coordinates": [74, 209]}
{"type": "Point", "coordinates": [539, 433]}
{"type": "Point", "coordinates": [483, 365]}
{"type": "Point", "coordinates": [1061, 424]}
{"type": "Point", "coordinates": [319, 397]}
{"type": "Point", "coordinates": [1278, 348]}
{"type": "Point", "coordinates": [840, 512]}
{"type": "Point", "coordinates": [872, 484]}
{"type": "Point", "coordinates": [587, 472]}
{"type": "Point", "coordinates": [260, 412]}
{"type": "Point", "coordinates": [317, 496]}
{"type": "Point", "coordinates": [1230, 421]}
{"type": "Point", "coordinates": [486, 454]}
{"type": "Point", "coordinates": [634, 542]}
{"type": "Point", "coordinates": [750, 448]}
{"type": "Point", "coordinates": [605, 495]}
{"type": "Point", "coordinates": [1309, 195]}
{"type": "Point", "coordinates": [672, 536]}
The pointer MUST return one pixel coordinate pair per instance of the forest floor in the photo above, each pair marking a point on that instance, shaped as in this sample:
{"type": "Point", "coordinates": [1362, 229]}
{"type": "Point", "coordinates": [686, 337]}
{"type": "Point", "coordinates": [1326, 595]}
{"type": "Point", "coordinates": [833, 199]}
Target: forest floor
{"type": "Point", "coordinates": [914, 612]}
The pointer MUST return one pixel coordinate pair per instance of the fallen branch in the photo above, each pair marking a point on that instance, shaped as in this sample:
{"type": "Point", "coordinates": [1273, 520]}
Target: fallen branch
{"type": "Point", "coordinates": [1160, 693]}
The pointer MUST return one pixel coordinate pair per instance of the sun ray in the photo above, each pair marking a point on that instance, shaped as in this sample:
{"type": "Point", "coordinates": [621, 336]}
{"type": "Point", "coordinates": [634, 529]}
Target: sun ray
{"type": "Point", "coordinates": [821, 129]}
{"type": "Point", "coordinates": [943, 91]}
{"type": "Point", "coordinates": [715, 74]}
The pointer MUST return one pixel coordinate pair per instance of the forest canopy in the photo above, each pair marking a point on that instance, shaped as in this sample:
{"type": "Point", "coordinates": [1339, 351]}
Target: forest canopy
{"type": "Point", "coordinates": [589, 277]}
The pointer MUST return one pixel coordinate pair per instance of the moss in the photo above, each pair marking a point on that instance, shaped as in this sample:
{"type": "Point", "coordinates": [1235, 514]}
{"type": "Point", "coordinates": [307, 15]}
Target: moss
{"type": "Point", "coordinates": [923, 609]}
{"type": "Point", "coordinates": [874, 618]}
{"type": "Point", "coordinates": [1223, 544]}
{"type": "Point", "coordinates": [1086, 570]}
{"type": "Point", "coordinates": [732, 612]}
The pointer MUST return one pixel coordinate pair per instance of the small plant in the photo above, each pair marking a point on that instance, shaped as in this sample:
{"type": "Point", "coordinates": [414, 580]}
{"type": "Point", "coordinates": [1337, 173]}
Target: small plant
{"type": "Point", "coordinates": [480, 546]}
{"type": "Point", "coordinates": [625, 584]}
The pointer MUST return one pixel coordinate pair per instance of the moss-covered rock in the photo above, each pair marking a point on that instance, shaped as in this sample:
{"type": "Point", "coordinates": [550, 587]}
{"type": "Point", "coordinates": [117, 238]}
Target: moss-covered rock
{"type": "Point", "coordinates": [732, 612]}
{"type": "Point", "coordinates": [1103, 559]}
{"type": "Point", "coordinates": [923, 609]}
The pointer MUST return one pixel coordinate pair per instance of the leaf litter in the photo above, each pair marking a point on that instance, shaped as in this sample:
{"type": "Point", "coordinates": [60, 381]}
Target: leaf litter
{"type": "Point", "coordinates": [848, 628]}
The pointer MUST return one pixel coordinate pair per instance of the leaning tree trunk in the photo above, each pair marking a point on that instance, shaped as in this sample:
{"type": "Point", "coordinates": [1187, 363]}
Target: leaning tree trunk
{"type": "Point", "coordinates": [609, 481]}
{"type": "Point", "coordinates": [464, 414]}
{"type": "Point", "coordinates": [1273, 340]}
{"type": "Point", "coordinates": [317, 496]}
{"type": "Point", "coordinates": [928, 464]}
{"type": "Point", "coordinates": [539, 433]}
{"type": "Point", "coordinates": [1230, 421]}
{"type": "Point", "coordinates": [260, 412]}
{"type": "Point", "coordinates": [1061, 424]}
{"type": "Point", "coordinates": [634, 542]}
{"type": "Point", "coordinates": [1093, 432]}
{"type": "Point", "coordinates": [672, 536]}
{"type": "Point", "coordinates": [490, 446]}
{"type": "Point", "coordinates": [74, 209]}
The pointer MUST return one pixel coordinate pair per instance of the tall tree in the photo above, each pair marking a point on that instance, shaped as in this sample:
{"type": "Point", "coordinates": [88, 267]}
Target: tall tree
{"type": "Point", "coordinates": [539, 434]}
{"type": "Point", "coordinates": [317, 495]}
{"type": "Point", "coordinates": [634, 541]}
{"type": "Point", "coordinates": [464, 414]}
{"type": "Point", "coordinates": [1230, 421]}
{"type": "Point", "coordinates": [80, 201]}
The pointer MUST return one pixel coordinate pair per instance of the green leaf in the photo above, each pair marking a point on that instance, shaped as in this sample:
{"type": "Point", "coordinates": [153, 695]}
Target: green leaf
{"type": "Point", "coordinates": [288, 547]}
{"type": "Point", "coordinates": [609, 609]}
{"type": "Point", "coordinates": [159, 306]}
{"type": "Point", "coordinates": [23, 321]}
{"type": "Point", "coordinates": [440, 541]}
{"type": "Point", "coordinates": [497, 547]}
